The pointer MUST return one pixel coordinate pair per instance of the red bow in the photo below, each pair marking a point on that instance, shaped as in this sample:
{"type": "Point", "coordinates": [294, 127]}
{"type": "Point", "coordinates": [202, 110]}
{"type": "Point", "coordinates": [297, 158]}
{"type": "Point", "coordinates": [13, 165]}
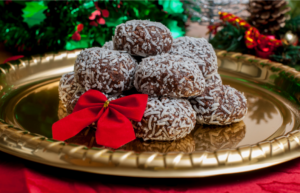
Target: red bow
{"type": "Point", "coordinates": [114, 128]}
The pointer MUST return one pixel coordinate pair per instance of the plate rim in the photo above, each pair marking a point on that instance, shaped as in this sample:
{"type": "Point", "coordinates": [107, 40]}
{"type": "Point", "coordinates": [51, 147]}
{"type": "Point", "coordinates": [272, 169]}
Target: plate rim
{"type": "Point", "coordinates": [152, 164]}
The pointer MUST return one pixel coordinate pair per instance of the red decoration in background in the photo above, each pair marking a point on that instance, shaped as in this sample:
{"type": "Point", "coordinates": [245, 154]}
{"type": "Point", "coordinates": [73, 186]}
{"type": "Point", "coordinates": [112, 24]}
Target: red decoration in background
{"type": "Point", "coordinates": [114, 128]}
{"type": "Point", "coordinates": [80, 27]}
{"type": "Point", "coordinates": [264, 49]}
{"type": "Point", "coordinates": [101, 21]}
{"type": "Point", "coordinates": [96, 5]}
{"type": "Point", "coordinates": [213, 28]}
{"type": "Point", "coordinates": [264, 45]}
{"type": "Point", "coordinates": [13, 58]}
{"type": "Point", "coordinates": [105, 13]}
{"type": "Point", "coordinates": [94, 15]}
{"type": "Point", "coordinates": [93, 23]}
{"type": "Point", "coordinates": [98, 16]}
{"type": "Point", "coordinates": [234, 20]}
{"type": "Point", "coordinates": [76, 36]}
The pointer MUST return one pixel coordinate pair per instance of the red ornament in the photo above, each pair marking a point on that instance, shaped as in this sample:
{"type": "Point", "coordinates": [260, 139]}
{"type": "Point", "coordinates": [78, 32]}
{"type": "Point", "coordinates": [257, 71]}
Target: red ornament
{"type": "Point", "coordinates": [105, 12]}
{"type": "Point", "coordinates": [80, 27]}
{"type": "Point", "coordinates": [94, 15]}
{"type": "Point", "coordinates": [101, 21]}
{"type": "Point", "coordinates": [114, 128]}
{"type": "Point", "coordinates": [93, 23]}
{"type": "Point", "coordinates": [264, 48]}
{"type": "Point", "coordinates": [96, 5]}
{"type": "Point", "coordinates": [213, 28]}
{"type": "Point", "coordinates": [76, 36]}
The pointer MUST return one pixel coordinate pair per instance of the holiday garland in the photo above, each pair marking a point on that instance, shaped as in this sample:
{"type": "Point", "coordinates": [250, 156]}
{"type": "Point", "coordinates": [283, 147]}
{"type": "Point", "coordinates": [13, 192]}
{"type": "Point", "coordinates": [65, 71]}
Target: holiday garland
{"type": "Point", "coordinates": [37, 27]}
{"type": "Point", "coordinates": [238, 35]}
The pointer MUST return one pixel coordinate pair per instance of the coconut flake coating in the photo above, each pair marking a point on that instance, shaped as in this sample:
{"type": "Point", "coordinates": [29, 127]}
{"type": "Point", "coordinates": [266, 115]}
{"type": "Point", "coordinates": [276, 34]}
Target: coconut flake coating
{"type": "Point", "coordinates": [108, 45]}
{"type": "Point", "coordinates": [143, 38]}
{"type": "Point", "coordinates": [67, 87]}
{"type": "Point", "coordinates": [108, 71]}
{"type": "Point", "coordinates": [213, 80]}
{"type": "Point", "coordinates": [72, 102]}
{"type": "Point", "coordinates": [169, 75]}
{"type": "Point", "coordinates": [165, 119]}
{"type": "Point", "coordinates": [61, 111]}
{"type": "Point", "coordinates": [221, 105]}
{"type": "Point", "coordinates": [198, 49]}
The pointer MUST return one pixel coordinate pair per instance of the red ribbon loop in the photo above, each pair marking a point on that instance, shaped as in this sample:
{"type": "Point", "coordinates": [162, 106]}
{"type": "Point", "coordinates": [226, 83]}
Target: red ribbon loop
{"type": "Point", "coordinates": [114, 128]}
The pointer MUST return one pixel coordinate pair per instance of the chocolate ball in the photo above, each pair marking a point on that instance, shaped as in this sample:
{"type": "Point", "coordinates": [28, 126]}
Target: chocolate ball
{"type": "Point", "coordinates": [220, 105]}
{"type": "Point", "coordinates": [105, 70]}
{"type": "Point", "coordinates": [143, 38]}
{"type": "Point", "coordinates": [199, 50]}
{"type": "Point", "coordinates": [169, 75]}
{"type": "Point", "coordinates": [67, 87]}
{"type": "Point", "coordinates": [165, 119]}
{"type": "Point", "coordinates": [108, 45]}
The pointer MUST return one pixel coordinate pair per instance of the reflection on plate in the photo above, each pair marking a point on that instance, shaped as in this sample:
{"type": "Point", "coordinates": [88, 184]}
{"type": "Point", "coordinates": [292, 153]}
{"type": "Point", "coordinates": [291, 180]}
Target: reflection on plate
{"type": "Point", "coordinates": [212, 138]}
{"type": "Point", "coordinates": [85, 137]}
{"type": "Point", "coordinates": [185, 144]}
{"type": "Point", "coordinates": [202, 138]}
{"type": "Point", "coordinates": [260, 109]}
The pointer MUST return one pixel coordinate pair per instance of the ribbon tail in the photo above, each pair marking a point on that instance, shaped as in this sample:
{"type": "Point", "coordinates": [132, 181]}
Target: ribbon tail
{"type": "Point", "coordinates": [72, 124]}
{"type": "Point", "coordinates": [114, 129]}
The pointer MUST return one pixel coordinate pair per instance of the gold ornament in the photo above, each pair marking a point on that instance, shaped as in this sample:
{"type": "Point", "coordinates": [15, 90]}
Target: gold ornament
{"type": "Point", "coordinates": [290, 39]}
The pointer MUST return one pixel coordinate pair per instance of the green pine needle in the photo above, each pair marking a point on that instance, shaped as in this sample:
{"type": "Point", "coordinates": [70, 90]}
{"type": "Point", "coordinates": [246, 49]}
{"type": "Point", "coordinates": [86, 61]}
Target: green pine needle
{"type": "Point", "coordinates": [37, 27]}
{"type": "Point", "coordinates": [230, 38]}
{"type": "Point", "coordinates": [289, 55]}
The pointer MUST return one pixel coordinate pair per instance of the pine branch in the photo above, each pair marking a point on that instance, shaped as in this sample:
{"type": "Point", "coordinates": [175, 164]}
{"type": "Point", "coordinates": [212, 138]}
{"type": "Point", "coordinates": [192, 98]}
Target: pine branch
{"type": "Point", "coordinates": [230, 38]}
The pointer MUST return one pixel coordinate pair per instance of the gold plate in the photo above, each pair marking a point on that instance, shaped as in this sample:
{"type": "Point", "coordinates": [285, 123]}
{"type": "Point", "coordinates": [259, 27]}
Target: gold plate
{"type": "Point", "coordinates": [268, 135]}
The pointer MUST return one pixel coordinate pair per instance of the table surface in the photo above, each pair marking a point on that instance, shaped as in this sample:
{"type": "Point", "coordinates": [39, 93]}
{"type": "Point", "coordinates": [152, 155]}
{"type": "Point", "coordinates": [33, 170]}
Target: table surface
{"type": "Point", "coordinates": [18, 175]}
